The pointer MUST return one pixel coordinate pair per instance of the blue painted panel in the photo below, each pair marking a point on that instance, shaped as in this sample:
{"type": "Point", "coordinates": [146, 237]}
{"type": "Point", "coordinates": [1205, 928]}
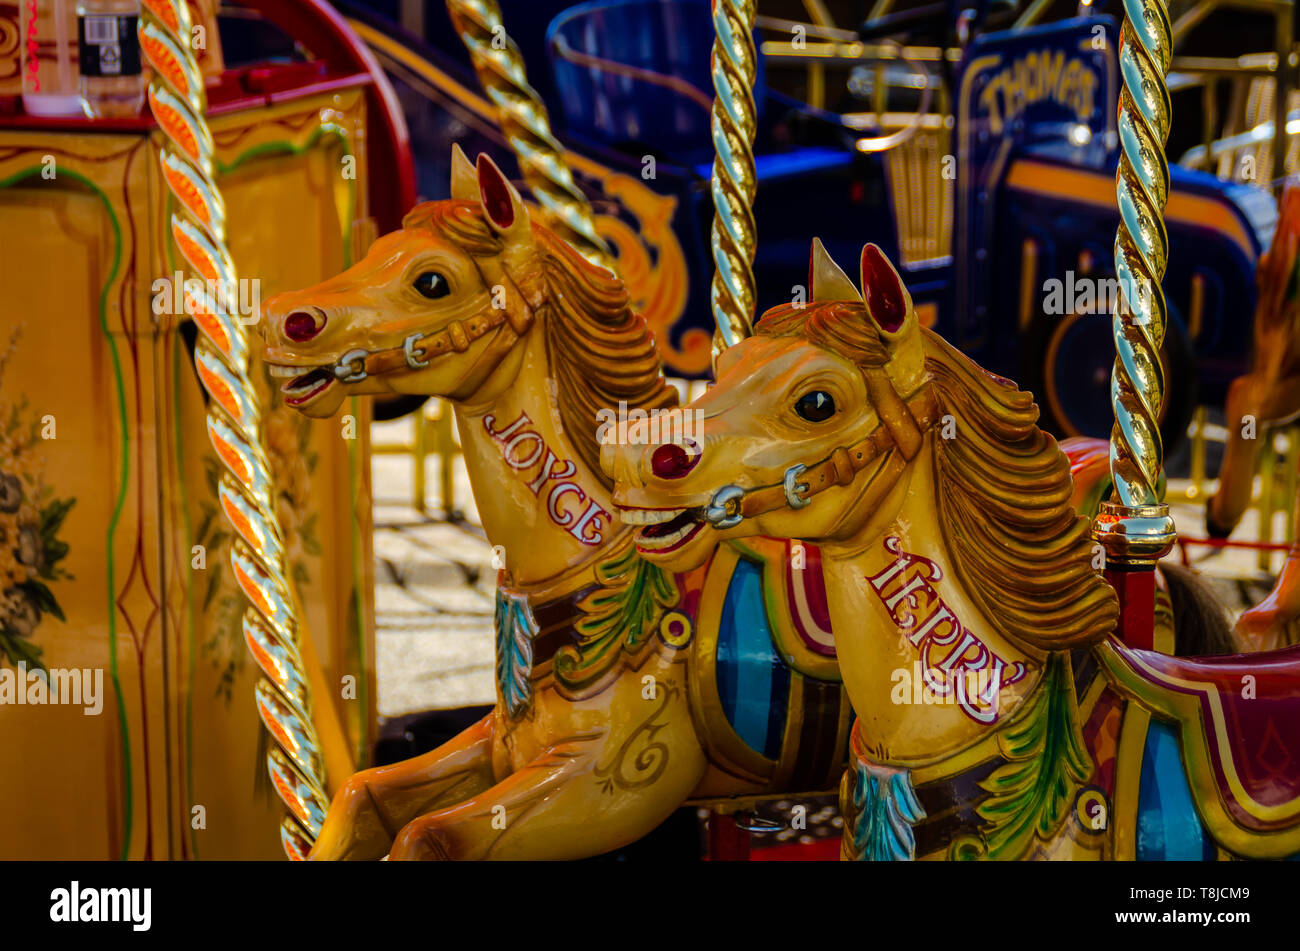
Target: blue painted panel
{"type": "Point", "coordinates": [753, 682]}
{"type": "Point", "coordinates": [1168, 827]}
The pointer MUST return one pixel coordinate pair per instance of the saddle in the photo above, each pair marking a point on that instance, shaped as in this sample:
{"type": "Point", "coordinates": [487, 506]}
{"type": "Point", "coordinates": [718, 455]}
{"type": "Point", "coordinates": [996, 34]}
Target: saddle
{"type": "Point", "coordinates": [1235, 720]}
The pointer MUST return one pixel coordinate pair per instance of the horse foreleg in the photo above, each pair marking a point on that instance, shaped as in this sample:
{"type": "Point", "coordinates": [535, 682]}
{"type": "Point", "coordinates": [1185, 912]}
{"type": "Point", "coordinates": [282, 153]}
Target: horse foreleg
{"type": "Point", "coordinates": [580, 796]}
{"type": "Point", "coordinates": [376, 803]}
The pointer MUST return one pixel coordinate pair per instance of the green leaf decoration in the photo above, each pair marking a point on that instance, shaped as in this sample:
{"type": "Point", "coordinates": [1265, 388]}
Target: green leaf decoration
{"type": "Point", "coordinates": [43, 597]}
{"type": "Point", "coordinates": [1047, 761]}
{"type": "Point", "coordinates": [20, 650]}
{"type": "Point", "coordinates": [621, 614]}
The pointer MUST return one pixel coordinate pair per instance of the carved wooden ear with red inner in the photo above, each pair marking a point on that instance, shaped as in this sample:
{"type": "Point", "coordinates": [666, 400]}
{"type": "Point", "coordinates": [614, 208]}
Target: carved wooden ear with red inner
{"type": "Point", "coordinates": [504, 208]}
{"type": "Point", "coordinates": [886, 298]}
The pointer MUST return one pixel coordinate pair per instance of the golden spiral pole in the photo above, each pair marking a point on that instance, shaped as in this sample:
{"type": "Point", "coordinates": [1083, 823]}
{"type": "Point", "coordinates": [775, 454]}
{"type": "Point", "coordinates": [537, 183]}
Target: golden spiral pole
{"type": "Point", "coordinates": [733, 63]}
{"type": "Point", "coordinates": [271, 625]}
{"type": "Point", "coordinates": [1136, 528]}
{"type": "Point", "coordinates": [523, 118]}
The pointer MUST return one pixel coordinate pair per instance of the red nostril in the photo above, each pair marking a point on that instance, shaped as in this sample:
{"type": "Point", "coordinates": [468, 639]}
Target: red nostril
{"type": "Point", "coordinates": [671, 461]}
{"type": "Point", "coordinates": [301, 326]}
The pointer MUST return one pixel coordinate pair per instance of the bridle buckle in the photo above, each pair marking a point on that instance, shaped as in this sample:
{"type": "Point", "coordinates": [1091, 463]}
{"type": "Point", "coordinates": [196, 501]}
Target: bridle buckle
{"type": "Point", "coordinates": [794, 491]}
{"type": "Point", "coordinates": [351, 367]}
{"type": "Point", "coordinates": [723, 510]}
{"type": "Point", "coordinates": [414, 353]}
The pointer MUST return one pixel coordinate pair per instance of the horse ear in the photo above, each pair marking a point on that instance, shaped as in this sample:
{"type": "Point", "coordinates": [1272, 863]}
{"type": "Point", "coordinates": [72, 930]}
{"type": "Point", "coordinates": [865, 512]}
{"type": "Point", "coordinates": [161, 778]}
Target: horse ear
{"type": "Point", "coordinates": [464, 181]}
{"type": "Point", "coordinates": [889, 306]}
{"type": "Point", "coordinates": [826, 280]}
{"type": "Point", "coordinates": [504, 208]}
{"type": "Point", "coordinates": [887, 300]}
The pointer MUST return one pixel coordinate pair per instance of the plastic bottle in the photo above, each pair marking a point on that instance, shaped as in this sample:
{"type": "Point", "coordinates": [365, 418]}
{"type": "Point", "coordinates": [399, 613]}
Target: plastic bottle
{"type": "Point", "coordinates": [48, 43]}
{"type": "Point", "coordinates": [112, 81]}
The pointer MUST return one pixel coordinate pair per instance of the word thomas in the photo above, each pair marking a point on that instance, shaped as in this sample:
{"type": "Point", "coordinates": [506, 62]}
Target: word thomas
{"type": "Point", "coordinates": [132, 905]}
{"type": "Point", "coordinates": [72, 686]}
{"type": "Point", "coordinates": [242, 299]}
{"type": "Point", "coordinates": [1039, 77]}
{"type": "Point", "coordinates": [901, 588]}
{"type": "Point", "coordinates": [522, 449]}
{"type": "Point", "coordinates": [636, 427]}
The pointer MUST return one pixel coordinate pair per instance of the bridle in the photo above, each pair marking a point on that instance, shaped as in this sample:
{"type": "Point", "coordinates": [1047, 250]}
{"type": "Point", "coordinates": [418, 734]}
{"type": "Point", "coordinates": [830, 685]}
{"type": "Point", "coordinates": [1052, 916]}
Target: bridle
{"type": "Point", "coordinates": [903, 424]}
{"type": "Point", "coordinates": [419, 349]}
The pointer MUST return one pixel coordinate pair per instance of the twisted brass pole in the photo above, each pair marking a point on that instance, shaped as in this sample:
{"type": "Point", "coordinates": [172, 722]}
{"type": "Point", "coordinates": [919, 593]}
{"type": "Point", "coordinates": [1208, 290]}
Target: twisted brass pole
{"type": "Point", "coordinates": [1136, 528]}
{"type": "Point", "coordinates": [246, 491]}
{"type": "Point", "coordinates": [734, 179]}
{"type": "Point", "coordinates": [523, 118]}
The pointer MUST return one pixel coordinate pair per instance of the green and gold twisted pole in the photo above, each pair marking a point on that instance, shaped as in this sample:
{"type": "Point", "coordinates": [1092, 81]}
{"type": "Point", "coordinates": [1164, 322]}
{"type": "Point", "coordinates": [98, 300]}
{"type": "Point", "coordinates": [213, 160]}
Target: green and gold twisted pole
{"type": "Point", "coordinates": [734, 123]}
{"type": "Point", "coordinates": [271, 624]}
{"type": "Point", "coordinates": [1136, 528]}
{"type": "Point", "coordinates": [524, 120]}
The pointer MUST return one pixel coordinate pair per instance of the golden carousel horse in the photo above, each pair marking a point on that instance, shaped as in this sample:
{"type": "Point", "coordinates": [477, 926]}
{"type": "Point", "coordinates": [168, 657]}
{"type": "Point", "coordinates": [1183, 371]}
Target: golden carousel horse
{"type": "Point", "coordinates": [623, 690]}
{"type": "Point", "coordinates": [998, 717]}
{"type": "Point", "coordinates": [1269, 394]}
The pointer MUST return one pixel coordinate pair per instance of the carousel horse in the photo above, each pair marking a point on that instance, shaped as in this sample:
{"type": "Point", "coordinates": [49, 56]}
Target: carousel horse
{"type": "Point", "coordinates": [1269, 394]}
{"type": "Point", "coordinates": [623, 691]}
{"type": "Point", "coordinates": [998, 717]}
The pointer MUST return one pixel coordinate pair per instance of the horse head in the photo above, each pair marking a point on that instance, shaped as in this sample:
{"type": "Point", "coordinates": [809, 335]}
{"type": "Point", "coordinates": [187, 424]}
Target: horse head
{"type": "Point", "coordinates": [842, 421]}
{"type": "Point", "coordinates": [805, 417]}
{"type": "Point", "coordinates": [433, 308]}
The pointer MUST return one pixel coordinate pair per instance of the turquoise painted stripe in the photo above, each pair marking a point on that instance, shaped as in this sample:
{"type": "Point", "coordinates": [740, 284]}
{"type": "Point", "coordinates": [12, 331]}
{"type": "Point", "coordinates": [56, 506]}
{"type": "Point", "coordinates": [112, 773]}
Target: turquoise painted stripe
{"type": "Point", "coordinates": [1169, 827]}
{"type": "Point", "coordinates": [746, 665]}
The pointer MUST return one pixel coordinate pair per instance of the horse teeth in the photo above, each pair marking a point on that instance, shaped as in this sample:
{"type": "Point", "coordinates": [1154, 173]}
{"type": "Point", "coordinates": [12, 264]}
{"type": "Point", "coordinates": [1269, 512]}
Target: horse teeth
{"type": "Point", "coordinates": [659, 542]}
{"type": "Point", "coordinates": [648, 516]}
{"type": "Point", "coordinates": [280, 371]}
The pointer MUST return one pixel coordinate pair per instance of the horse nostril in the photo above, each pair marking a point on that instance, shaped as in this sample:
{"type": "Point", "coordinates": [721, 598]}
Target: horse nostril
{"type": "Point", "coordinates": [671, 461]}
{"type": "Point", "coordinates": [301, 326]}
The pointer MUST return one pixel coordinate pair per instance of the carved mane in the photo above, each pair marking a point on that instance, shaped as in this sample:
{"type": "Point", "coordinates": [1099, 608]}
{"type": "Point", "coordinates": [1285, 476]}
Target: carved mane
{"type": "Point", "coordinates": [600, 351]}
{"type": "Point", "coordinates": [1021, 551]}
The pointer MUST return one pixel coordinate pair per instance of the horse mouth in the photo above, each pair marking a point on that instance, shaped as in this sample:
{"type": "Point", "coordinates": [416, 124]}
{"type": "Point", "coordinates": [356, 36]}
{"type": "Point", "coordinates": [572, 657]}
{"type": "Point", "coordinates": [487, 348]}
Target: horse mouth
{"type": "Point", "coordinates": [305, 386]}
{"type": "Point", "coordinates": [664, 530]}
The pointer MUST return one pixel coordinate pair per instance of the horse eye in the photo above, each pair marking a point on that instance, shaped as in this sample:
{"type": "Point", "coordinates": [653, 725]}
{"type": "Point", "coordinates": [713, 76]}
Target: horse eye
{"type": "Point", "coordinates": [432, 285]}
{"type": "Point", "coordinates": [816, 407]}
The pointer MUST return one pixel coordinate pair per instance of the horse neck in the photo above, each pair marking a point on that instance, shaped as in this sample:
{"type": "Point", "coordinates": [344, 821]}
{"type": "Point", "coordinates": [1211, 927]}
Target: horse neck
{"type": "Point", "coordinates": [539, 503]}
{"type": "Point", "coordinates": [898, 574]}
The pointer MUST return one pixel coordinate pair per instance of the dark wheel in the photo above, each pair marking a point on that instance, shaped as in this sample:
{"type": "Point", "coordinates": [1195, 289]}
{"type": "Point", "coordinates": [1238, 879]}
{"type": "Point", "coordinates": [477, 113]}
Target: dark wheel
{"type": "Point", "coordinates": [392, 407]}
{"type": "Point", "coordinates": [1066, 361]}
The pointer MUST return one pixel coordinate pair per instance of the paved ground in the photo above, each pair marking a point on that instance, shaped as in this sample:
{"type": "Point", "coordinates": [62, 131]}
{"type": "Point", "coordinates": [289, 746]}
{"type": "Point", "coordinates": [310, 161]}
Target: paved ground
{"type": "Point", "coordinates": [434, 582]}
{"type": "Point", "coordinates": [433, 590]}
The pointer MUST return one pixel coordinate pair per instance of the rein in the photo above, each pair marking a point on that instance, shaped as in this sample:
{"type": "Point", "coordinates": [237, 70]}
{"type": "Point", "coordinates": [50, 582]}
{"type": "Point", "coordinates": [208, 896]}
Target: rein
{"type": "Point", "coordinates": [422, 347]}
{"type": "Point", "coordinates": [902, 425]}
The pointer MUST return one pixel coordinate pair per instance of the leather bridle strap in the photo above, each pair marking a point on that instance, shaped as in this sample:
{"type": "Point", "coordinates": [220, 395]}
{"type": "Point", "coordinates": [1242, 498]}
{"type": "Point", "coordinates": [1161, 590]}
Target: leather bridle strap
{"type": "Point", "coordinates": [902, 426]}
{"type": "Point", "coordinates": [419, 349]}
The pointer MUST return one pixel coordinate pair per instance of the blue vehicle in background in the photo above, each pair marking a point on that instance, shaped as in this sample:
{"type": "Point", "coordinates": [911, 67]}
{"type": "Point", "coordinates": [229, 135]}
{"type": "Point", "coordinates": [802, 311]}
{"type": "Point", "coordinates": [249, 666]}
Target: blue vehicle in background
{"type": "Point", "coordinates": [986, 171]}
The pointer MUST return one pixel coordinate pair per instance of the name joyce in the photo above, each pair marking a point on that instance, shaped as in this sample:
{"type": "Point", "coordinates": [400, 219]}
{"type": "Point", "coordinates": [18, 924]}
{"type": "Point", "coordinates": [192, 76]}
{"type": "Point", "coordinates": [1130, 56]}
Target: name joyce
{"type": "Point", "coordinates": [523, 448]}
{"type": "Point", "coordinates": [82, 687]}
{"type": "Point", "coordinates": [950, 653]}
